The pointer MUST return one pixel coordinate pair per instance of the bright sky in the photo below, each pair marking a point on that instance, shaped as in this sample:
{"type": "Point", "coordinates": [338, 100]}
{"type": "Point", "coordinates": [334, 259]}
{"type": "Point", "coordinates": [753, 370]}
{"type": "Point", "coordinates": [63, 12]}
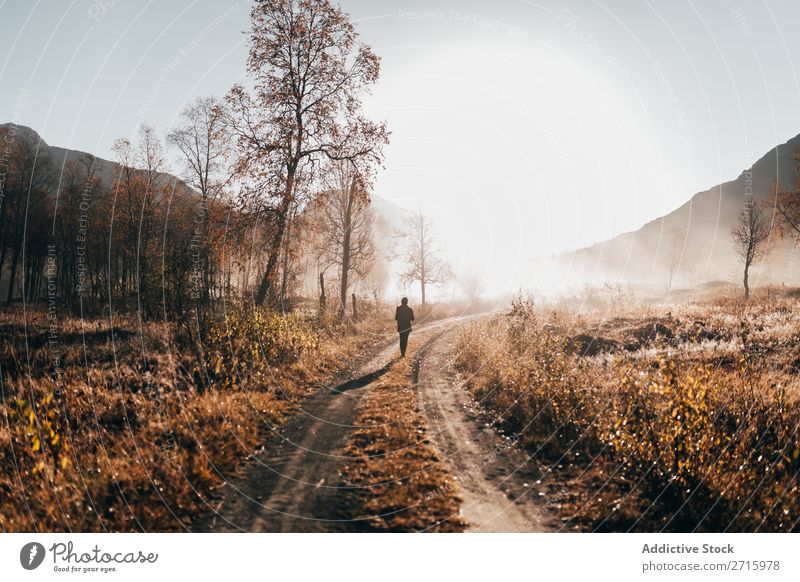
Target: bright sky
{"type": "Point", "coordinates": [523, 128]}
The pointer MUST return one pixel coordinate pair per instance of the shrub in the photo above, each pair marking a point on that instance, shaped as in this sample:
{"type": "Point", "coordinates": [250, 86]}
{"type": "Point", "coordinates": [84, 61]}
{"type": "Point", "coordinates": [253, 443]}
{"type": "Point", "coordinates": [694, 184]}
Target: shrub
{"type": "Point", "coordinates": [684, 442]}
{"type": "Point", "coordinates": [250, 341]}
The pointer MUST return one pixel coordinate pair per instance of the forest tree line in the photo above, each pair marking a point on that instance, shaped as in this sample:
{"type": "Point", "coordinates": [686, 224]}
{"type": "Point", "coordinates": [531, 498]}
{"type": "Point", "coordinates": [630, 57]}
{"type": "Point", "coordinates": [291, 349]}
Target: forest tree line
{"type": "Point", "coordinates": [270, 189]}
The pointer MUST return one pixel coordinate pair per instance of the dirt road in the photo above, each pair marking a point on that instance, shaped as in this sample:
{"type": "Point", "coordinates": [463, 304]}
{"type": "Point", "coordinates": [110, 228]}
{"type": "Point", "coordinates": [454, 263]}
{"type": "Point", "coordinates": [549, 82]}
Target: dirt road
{"type": "Point", "coordinates": [293, 486]}
{"type": "Point", "coordinates": [497, 481]}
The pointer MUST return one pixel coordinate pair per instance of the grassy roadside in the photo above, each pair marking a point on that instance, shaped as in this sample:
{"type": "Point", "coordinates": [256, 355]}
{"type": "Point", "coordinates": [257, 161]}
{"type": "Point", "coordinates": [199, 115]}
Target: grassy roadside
{"type": "Point", "coordinates": [689, 421]}
{"type": "Point", "coordinates": [122, 429]}
{"type": "Point", "coordinates": [400, 483]}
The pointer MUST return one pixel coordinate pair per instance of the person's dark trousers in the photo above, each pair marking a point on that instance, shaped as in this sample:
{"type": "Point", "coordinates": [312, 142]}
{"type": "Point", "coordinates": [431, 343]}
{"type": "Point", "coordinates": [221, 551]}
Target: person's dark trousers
{"type": "Point", "coordinates": [404, 341]}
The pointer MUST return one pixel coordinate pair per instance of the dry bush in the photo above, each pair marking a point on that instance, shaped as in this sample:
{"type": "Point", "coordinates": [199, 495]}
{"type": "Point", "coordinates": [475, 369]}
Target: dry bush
{"type": "Point", "coordinates": [695, 428]}
{"type": "Point", "coordinates": [117, 434]}
{"type": "Point", "coordinates": [249, 341]}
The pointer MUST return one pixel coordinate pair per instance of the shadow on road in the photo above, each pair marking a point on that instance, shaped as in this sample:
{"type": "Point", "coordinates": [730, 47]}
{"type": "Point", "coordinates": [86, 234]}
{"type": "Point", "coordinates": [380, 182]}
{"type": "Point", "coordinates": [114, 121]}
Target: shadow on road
{"type": "Point", "coordinates": [365, 379]}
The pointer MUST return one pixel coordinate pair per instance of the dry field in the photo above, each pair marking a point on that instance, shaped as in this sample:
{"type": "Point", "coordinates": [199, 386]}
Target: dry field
{"type": "Point", "coordinates": [650, 418]}
{"type": "Point", "coordinates": [124, 428]}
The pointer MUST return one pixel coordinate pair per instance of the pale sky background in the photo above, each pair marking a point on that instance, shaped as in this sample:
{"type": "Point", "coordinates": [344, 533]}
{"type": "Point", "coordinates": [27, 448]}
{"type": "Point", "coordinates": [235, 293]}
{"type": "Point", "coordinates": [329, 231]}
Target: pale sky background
{"type": "Point", "coordinates": [523, 128]}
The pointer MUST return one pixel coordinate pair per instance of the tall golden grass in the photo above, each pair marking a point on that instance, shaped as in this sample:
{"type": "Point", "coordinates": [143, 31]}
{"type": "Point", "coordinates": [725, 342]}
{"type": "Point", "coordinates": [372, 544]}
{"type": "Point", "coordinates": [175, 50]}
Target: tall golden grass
{"type": "Point", "coordinates": [686, 421]}
{"type": "Point", "coordinates": [124, 428]}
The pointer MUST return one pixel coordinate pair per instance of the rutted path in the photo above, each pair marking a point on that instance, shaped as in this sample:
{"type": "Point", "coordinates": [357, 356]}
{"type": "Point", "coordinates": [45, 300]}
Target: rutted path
{"type": "Point", "coordinates": [498, 485]}
{"type": "Point", "coordinates": [294, 486]}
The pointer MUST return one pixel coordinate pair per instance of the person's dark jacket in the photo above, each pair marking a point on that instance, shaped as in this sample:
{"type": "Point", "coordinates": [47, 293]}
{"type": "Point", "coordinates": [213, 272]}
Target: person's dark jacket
{"type": "Point", "coordinates": [404, 315]}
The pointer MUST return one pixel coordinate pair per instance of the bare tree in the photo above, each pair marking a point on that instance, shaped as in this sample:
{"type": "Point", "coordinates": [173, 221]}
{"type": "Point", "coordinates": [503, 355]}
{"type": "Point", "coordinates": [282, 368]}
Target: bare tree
{"type": "Point", "coordinates": [425, 264]}
{"type": "Point", "coordinates": [202, 140]}
{"type": "Point", "coordinates": [347, 238]}
{"type": "Point", "coordinates": [751, 238]}
{"type": "Point", "coordinates": [152, 163]}
{"type": "Point", "coordinates": [672, 255]}
{"type": "Point", "coordinates": [308, 77]}
{"type": "Point", "coordinates": [472, 285]}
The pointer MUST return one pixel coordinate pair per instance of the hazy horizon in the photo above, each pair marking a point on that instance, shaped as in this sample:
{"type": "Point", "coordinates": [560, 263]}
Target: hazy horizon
{"type": "Point", "coordinates": [523, 129]}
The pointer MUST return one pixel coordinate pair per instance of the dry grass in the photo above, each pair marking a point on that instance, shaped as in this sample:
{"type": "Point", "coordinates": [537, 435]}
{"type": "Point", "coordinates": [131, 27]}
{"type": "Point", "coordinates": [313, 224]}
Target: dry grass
{"type": "Point", "coordinates": [677, 418]}
{"type": "Point", "coordinates": [399, 481]}
{"type": "Point", "coordinates": [124, 430]}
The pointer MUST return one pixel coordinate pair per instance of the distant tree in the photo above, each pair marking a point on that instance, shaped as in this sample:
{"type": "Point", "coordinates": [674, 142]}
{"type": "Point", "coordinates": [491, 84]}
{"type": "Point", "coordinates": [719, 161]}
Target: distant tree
{"type": "Point", "coordinates": [425, 265]}
{"type": "Point", "coordinates": [346, 228]}
{"type": "Point", "coordinates": [80, 188]}
{"type": "Point", "coordinates": [308, 77]}
{"type": "Point", "coordinates": [138, 194]}
{"type": "Point", "coordinates": [28, 183]}
{"type": "Point", "coordinates": [671, 255]}
{"type": "Point", "coordinates": [472, 285]}
{"type": "Point", "coordinates": [378, 277]}
{"type": "Point", "coordinates": [751, 239]}
{"type": "Point", "coordinates": [203, 140]}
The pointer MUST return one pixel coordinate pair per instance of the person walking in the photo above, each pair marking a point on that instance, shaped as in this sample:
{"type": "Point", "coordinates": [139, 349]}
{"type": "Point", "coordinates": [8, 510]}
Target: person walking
{"type": "Point", "coordinates": [403, 315]}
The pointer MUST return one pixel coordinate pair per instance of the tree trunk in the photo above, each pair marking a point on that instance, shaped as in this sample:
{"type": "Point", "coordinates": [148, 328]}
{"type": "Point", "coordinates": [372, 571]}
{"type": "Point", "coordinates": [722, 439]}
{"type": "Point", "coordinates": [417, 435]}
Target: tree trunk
{"type": "Point", "coordinates": [206, 252]}
{"type": "Point", "coordinates": [277, 239]}
{"type": "Point", "coordinates": [347, 226]}
{"type": "Point", "coordinates": [285, 265]}
{"type": "Point", "coordinates": [11, 276]}
{"type": "Point", "coordinates": [422, 275]}
{"type": "Point", "coordinates": [746, 285]}
{"type": "Point", "coordinates": [344, 281]}
{"type": "Point", "coordinates": [422, 271]}
{"type": "Point", "coordinates": [322, 299]}
{"type": "Point", "coordinates": [355, 308]}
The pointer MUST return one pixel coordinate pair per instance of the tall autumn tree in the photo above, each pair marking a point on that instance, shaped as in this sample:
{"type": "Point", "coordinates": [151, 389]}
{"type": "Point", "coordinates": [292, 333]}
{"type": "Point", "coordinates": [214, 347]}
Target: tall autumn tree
{"type": "Point", "coordinates": [308, 76]}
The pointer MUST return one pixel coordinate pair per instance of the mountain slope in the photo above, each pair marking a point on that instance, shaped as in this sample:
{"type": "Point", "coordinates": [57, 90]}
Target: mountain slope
{"type": "Point", "coordinates": [694, 238]}
{"type": "Point", "coordinates": [107, 170]}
